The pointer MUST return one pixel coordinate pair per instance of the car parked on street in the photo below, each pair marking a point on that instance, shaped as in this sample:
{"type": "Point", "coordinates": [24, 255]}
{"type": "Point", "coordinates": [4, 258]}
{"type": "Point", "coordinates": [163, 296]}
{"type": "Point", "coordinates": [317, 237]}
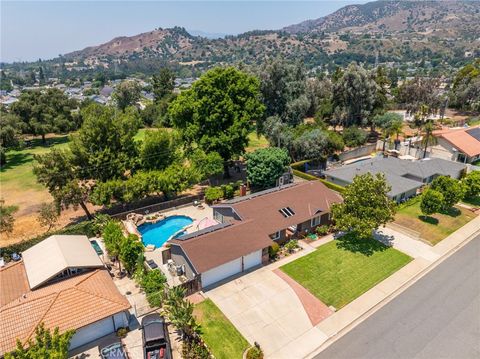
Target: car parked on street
{"type": "Point", "coordinates": [156, 344]}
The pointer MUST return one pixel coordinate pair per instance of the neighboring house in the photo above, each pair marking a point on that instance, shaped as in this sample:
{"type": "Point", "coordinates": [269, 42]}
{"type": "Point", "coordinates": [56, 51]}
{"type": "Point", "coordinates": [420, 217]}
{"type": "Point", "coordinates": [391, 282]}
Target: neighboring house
{"type": "Point", "coordinates": [405, 177]}
{"type": "Point", "coordinates": [61, 282]}
{"type": "Point", "coordinates": [462, 145]}
{"type": "Point", "coordinates": [248, 226]}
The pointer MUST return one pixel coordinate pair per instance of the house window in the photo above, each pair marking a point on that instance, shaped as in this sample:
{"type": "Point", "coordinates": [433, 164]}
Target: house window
{"type": "Point", "coordinates": [286, 212]}
{"type": "Point", "coordinates": [315, 221]}
{"type": "Point", "coordinates": [275, 236]}
{"type": "Point", "coordinates": [218, 217]}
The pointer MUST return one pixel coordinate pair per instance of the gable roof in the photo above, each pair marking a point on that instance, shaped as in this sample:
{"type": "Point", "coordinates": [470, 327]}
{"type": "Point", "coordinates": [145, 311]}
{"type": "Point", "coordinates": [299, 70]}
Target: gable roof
{"type": "Point", "coordinates": [467, 140]}
{"type": "Point", "coordinates": [260, 217]}
{"type": "Point", "coordinates": [71, 303]}
{"type": "Point", "coordinates": [53, 255]}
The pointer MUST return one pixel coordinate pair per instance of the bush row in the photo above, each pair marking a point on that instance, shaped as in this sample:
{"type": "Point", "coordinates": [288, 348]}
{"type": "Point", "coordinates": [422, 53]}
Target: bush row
{"type": "Point", "coordinates": [308, 177]}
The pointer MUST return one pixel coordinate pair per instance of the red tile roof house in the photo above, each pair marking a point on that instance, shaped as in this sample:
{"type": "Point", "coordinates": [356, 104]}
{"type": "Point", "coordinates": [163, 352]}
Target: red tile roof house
{"type": "Point", "coordinates": [462, 145]}
{"type": "Point", "coordinates": [61, 282]}
{"type": "Point", "coordinates": [248, 226]}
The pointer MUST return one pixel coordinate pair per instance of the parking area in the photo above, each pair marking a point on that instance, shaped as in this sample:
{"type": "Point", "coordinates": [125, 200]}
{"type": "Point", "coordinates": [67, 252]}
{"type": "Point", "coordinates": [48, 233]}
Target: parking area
{"type": "Point", "coordinates": [265, 309]}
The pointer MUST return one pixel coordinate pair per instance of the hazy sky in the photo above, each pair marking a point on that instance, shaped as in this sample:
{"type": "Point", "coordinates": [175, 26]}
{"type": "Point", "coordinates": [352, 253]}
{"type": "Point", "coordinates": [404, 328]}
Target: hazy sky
{"type": "Point", "coordinates": [45, 29]}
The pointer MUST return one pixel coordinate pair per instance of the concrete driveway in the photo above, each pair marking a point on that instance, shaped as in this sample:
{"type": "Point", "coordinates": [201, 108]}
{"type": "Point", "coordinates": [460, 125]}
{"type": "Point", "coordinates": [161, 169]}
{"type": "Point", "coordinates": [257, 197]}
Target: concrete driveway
{"type": "Point", "coordinates": [265, 309]}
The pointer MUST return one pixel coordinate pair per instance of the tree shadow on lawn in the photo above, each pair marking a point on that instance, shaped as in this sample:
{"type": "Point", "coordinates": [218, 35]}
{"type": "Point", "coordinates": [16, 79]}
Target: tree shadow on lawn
{"type": "Point", "coordinates": [428, 219]}
{"type": "Point", "coordinates": [452, 212]}
{"type": "Point", "coordinates": [368, 247]}
{"type": "Point", "coordinates": [15, 160]}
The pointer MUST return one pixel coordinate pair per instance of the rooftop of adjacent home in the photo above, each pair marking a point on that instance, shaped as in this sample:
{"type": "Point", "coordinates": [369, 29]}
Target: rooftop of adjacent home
{"type": "Point", "coordinates": [466, 140]}
{"type": "Point", "coordinates": [68, 302]}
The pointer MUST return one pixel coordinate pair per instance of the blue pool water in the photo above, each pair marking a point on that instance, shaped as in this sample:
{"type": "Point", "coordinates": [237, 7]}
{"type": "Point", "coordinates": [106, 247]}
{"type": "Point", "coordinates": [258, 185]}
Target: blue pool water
{"type": "Point", "coordinates": [158, 233]}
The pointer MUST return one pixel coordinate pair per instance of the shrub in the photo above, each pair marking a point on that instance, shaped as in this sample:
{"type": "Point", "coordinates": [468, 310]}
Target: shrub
{"type": "Point", "coordinates": [432, 202]}
{"type": "Point", "coordinates": [255, 352]}
{"type": "Point", "coordinates": [153, 283]}
{"type": "Point", "coordinates": [273, 250]}
{"type": "Point", "coordinates": [195, 349]}
{"type": "Point", "coordinates": [228, 191]}
{"type": "Point", "coordinates": [322, 230]}
{"type": "Point", "coordinates": [472, 184]}
{"type": "Point", "coordinates": [122, 332]}
{"type": "Point", "coordinates": [354, 136]}
{"type": "Point", "coordinates": [213, 194]}
{"type": "Point", "coordinates": [291, 245]}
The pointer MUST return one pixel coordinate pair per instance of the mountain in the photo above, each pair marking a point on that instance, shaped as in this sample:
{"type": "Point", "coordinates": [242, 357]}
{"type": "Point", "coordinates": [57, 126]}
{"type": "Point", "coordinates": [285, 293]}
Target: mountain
{"type": "Point", "coordinates": [385, 31]}
{"type": "Point", "coordinates": [435, 18]}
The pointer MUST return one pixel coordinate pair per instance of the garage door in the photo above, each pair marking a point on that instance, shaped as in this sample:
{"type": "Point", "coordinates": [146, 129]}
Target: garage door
{"type": "Point", "coordinates": [252, 259]}
{"type": "Point", "coordinates": [92, 332]}
{"type": "Point", "coordinates": [221, 272]}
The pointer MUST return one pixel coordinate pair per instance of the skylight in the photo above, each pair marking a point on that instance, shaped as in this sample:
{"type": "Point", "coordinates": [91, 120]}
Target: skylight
{"type": "Point", "coordinates": [287, 212]}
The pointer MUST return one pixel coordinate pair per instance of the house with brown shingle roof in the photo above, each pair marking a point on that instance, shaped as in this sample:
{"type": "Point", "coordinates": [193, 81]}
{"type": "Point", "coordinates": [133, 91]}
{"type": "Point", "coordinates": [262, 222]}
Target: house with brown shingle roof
{"type": "Point", "coordinates": [462, 145]}
{"type": "Point", "coordinates": [248, 226]}
{"type": "Point", "coordinates": [61, 282]}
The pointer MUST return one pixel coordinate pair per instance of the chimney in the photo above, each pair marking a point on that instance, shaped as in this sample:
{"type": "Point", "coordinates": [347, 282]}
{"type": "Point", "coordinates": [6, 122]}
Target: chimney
{"type": "Point", "coordinates": [243, 190]}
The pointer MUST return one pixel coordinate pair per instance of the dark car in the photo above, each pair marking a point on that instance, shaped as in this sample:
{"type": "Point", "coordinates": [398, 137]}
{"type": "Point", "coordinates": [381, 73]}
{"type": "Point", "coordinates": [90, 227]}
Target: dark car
{"type": "Point", "coordinates": [113, 350]}
{"type": "Point", "coordinates": [155, 337]}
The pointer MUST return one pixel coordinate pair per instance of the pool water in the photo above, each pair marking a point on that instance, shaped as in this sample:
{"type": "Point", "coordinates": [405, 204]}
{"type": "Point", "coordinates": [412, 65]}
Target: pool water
{"type": "Point", "coordinates": [160, 232]}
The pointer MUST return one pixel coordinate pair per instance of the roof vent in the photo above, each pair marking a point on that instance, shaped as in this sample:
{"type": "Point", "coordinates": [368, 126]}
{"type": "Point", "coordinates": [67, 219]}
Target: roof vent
{"type": "Point", "coordinates": [287, 212]}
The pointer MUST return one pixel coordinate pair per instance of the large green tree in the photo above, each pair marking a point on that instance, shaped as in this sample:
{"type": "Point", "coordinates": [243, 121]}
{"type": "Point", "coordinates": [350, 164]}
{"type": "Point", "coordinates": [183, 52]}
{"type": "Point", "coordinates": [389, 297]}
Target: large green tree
{"type": "Point", "coordinates": [217, 112]}
{"type": "Point", "coordinates": [365, 206]}
{"type": "Point", "coordinates": [356, 92]}
{"type": "Point", "coordinates": [56, 171]}
{"type": "Point", "coordinates": [45, 111]}
{"type": "Point", "coordinates": [472, 184]}
{"type": "Point", "coordinates": [266, 165]}
{"type": "Point", "coordinates": [104, 147]}
{"type": "Point", "coordinates": [130, 250]}
{"type": "Point", "coordinates": [452, 190]}
{"type": "Point", "coordinates": [163, 83]}
{"type": "Point", "coordinates": [126, 94]}
{"type": "Point", "coordinates": [432, 202]}
{"type": "Point", "coordinates": [159, 149]}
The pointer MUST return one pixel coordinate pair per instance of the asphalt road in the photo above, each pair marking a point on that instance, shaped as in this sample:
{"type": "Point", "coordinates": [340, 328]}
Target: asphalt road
{"type": "Point", "coordinates": [437, 317]}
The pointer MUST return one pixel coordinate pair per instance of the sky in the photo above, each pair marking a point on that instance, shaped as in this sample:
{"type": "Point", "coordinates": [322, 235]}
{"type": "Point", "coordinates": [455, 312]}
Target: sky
{"type": "Point", "coordinates": [44, 29]}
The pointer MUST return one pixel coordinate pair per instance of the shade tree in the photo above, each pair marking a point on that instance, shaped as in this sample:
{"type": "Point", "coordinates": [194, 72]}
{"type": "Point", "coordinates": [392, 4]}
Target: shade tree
{"type": "Point", "coordinates": [365, 207]}
{"type": "Point", "coordinates": [266, 165]}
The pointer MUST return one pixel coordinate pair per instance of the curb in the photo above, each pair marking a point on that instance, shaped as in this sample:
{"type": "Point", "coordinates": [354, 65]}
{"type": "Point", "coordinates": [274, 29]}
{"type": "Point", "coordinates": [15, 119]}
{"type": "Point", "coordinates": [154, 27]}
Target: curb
{"type": "Point", "coordinates": [333, 338]}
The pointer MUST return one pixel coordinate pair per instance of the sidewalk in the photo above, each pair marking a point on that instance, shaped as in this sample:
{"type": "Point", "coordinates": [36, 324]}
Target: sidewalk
{"type": "Point", "coordinates": [353, 313]}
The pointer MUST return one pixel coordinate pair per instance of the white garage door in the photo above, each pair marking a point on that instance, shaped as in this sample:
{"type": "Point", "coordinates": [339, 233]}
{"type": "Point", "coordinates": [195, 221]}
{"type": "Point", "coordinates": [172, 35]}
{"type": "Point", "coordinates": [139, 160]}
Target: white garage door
{"type": "Point", "coordinates": [91, 332]}
{"type": "Point", "coordinates": [252, 259]}
{"type": "Point", "coordinates": [221, 272]}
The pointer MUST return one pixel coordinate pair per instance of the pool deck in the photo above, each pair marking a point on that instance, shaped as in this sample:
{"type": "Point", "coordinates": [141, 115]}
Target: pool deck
{"type": "Point", "coordinates": [194, 213]}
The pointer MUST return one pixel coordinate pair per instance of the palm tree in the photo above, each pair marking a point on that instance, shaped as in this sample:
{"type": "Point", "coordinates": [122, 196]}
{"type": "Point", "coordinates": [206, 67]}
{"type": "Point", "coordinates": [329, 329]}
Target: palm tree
{"type": "Point", "coordinates": [396, 129]}
{"type": "Point", "coordinates": [428, 137]}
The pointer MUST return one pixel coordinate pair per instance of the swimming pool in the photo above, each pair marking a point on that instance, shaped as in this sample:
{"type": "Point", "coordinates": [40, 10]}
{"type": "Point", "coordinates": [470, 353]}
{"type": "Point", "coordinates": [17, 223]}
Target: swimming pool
{"type": "Point", "coordinates": [158, 233]}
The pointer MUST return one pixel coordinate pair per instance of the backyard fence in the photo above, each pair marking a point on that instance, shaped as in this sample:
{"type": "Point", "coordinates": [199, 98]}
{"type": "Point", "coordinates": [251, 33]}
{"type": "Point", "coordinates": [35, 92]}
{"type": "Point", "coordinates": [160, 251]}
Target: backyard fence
{"type": "Point", "coordinates": [159, 207]}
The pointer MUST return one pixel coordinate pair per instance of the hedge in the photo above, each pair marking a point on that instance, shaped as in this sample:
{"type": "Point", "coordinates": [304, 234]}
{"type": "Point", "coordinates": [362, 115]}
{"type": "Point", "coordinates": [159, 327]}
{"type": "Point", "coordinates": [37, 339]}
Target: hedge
{"type": "Point", "coordinates": [86, 228]}
{"type": "Point", "coordinates": [308, 177]}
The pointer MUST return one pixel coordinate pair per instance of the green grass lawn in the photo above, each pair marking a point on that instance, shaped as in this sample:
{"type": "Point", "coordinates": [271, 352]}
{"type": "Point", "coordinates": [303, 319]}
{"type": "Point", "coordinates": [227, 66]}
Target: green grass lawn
{"type": "Point", "coordinates": [436, 227]}
{"type": "Point", "coordinates": [256, 142]}
{"type": "Point", "coordinates": [18, 174]}
{"type": "Point", "coordinates": [223, 339]}
{"type": "Point", "coordinates": [342, 270]}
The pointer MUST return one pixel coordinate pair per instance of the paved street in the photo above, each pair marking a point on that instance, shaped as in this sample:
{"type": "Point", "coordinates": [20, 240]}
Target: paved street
{"type": "Point", "coordinates": [437, 317]}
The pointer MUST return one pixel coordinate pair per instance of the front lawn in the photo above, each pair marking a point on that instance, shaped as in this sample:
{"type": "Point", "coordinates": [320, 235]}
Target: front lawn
{"type": "Point", "coordinates": [436, 227]}
{"type": "Point", "coordinates": [342, 270]}
{"type": "Point", "coordinates": [221, 337]}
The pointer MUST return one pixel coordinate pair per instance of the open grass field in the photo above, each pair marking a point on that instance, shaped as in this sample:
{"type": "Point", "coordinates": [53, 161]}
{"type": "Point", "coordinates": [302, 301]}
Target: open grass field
{"type": "Point", "coordinates": [436, 227]}
{"type": "Point", "coordinates": [223, 339]}
{"type": "Point", "coordinates": [342, 270]}
{"type": "Point", "coordinates": [256, 142]}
